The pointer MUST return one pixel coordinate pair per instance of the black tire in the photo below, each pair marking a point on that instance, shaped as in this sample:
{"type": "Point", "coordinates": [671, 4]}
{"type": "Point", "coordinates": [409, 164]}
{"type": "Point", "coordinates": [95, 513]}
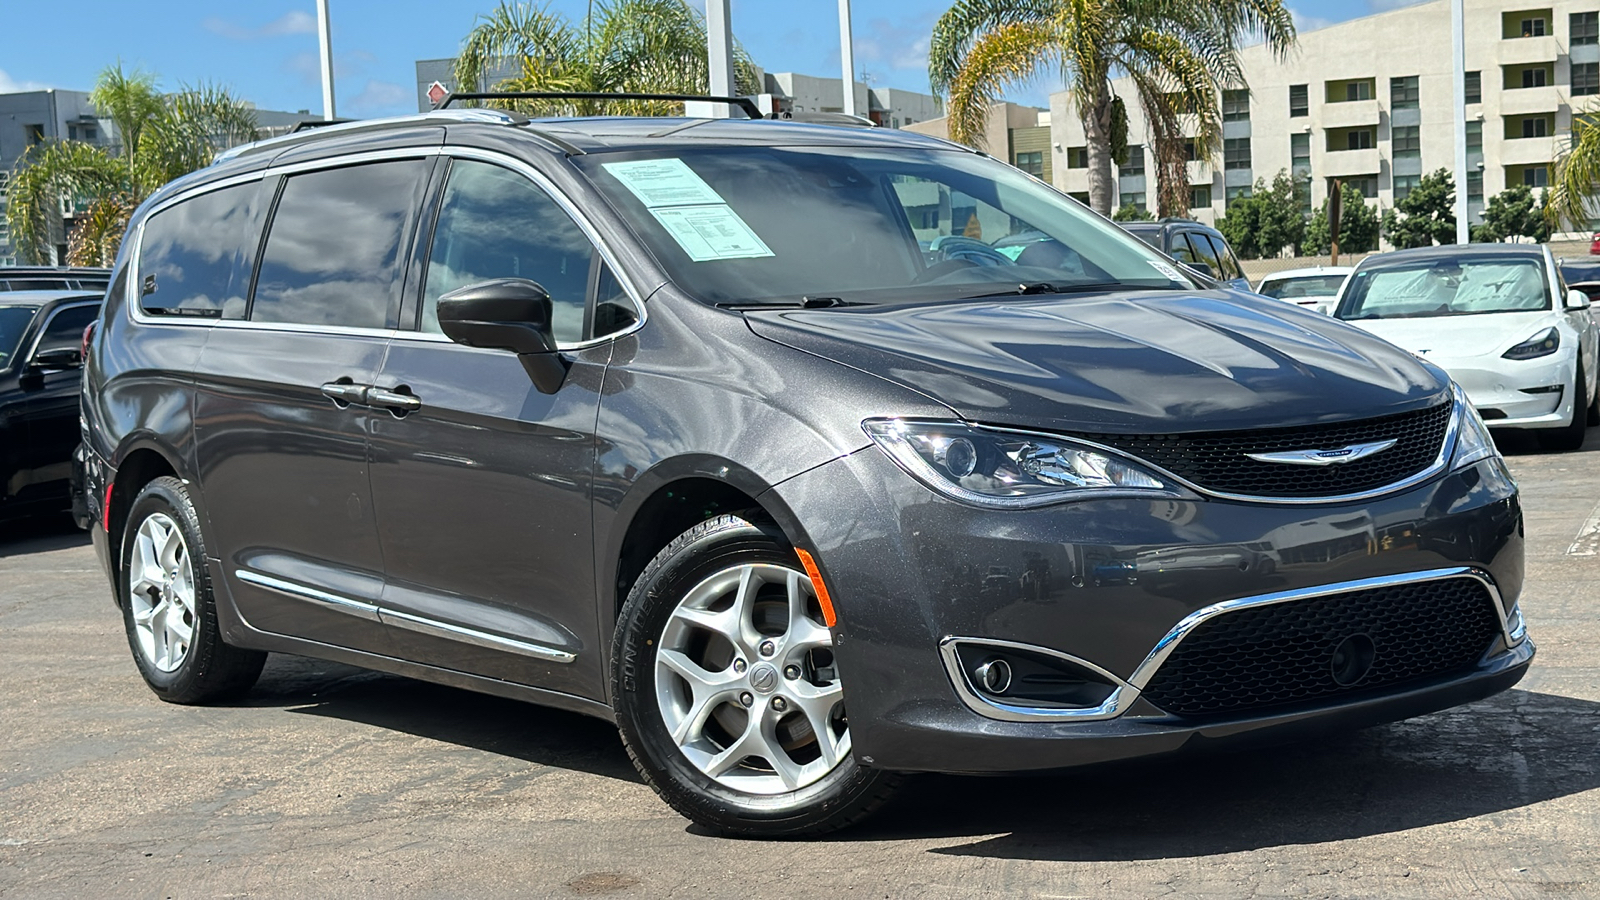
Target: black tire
{"type": "Point", "coordinates": [1569, 437]}
{"type": "Point", "coordinates": [209, 669]}
{"type": "Point", "coordinates": [1593, 417]}
{"type": "Point", "coordinates": [846, 794]}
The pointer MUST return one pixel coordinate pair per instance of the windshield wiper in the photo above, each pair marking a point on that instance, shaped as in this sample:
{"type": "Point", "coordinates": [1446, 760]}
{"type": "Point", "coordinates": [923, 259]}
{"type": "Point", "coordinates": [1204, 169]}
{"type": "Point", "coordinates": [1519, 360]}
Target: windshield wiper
{"type": "Point", "coordinates": [1045, 287]}
{"type": "Point", "coordinates": [802, 303]}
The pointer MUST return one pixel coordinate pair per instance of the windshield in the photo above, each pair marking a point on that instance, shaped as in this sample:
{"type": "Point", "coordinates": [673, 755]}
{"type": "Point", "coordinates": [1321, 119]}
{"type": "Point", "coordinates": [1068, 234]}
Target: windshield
{"type": "Point", "coordinates": [13, 322]}
{"type": "Point", "coordinates": [753, 225]}
{"type": "Point", "coordinates": [1452, 286]}
{"type": "Point", "coordinates": [1304, 286]}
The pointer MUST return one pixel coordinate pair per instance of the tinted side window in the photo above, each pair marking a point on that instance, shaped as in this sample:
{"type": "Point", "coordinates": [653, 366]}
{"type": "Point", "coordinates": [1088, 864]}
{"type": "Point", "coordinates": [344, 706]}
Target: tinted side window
{"type": "Point", "coordinates": [189, 255]}
{"type": "Point", "coordinates": [1203, 252]}
{"type": "Point", "coordinates": [1230, 266]}
{"type": "Point", "coordinates": [1180, 250]}
{"type": "Point", "coordinates": [613, 308]}
{"type": "Point", "coordinates": [495, 223]}
{"type": "Point", "coordinates": [334, 253]}
{"type": "Point", "coordinates": [65, 328]}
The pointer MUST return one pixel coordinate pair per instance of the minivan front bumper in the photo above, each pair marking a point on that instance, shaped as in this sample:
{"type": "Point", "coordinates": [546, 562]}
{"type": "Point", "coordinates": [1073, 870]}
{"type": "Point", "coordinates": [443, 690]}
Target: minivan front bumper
{"type": "Point", "coordinates": [1107, 584]}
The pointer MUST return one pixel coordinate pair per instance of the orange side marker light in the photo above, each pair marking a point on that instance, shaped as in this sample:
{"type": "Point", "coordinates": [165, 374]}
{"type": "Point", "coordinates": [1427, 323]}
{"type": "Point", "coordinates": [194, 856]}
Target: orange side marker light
{"type": "Point", "coordinates": [815, 575]}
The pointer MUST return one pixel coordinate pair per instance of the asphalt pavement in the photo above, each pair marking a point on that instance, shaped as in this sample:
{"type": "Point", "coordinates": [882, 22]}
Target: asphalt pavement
{"type": "Point", "coordinates": [329, 781]}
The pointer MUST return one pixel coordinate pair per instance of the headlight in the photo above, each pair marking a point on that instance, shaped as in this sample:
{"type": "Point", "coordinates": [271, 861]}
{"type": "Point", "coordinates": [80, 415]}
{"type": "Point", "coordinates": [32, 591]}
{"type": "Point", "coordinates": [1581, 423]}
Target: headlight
{"type": "Point", "coordinates": [1010, 469]}
{"type": "Point", "coordinates": [1542, 344]}
{"type": "Point", "coordinates": [1472, 436]}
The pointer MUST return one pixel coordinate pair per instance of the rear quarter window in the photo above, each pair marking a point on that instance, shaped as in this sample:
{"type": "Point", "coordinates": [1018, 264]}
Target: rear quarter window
{"type": "Point", "coordinates": [190, 255]}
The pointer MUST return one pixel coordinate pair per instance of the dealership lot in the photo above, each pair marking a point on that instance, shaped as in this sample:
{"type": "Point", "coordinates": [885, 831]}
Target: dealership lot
{"type": "Point", "coordinates": [330, 781]}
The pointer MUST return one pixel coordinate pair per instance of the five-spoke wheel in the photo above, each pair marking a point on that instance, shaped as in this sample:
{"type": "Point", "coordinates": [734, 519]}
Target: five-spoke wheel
{"type": "Point", "coordinates": [161, 592]}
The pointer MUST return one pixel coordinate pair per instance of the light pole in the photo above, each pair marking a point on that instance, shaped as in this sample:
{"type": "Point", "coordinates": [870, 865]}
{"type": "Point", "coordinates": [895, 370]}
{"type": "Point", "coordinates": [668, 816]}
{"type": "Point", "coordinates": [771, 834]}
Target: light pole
{"type": "Point", "coordinates": [719, 55]}
{"type": "Point", "coordinates": [325, 38]}
{"type": "Point", "coordinates": [1458, 74]}
{"type": "Point", "coordinates": [847, 58]}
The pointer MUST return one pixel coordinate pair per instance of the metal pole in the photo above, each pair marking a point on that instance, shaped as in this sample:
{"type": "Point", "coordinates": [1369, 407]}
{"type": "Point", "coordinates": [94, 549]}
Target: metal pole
{"type": "Point", "coordinates": [325, 38]}
{"type": "Point", "coordinates": [719, 54]}
{"type": "Point", "coordinates": [847, 58]}
{"type": "Point", "coordinates": [1458, 48]}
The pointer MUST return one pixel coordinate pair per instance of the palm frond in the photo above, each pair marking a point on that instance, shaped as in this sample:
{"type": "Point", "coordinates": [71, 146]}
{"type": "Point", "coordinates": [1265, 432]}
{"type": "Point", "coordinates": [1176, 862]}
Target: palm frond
{"type": "Point", "coordinates": [1004, 57]}
{"type": "Point", "coordinates": [1575, 176]}
{"type": "Point", "coordinates": [509, 37]}
{"type": "Point", "coordinates": [967, 21]}
{"type": "Point", "coordinates": [45, 174]}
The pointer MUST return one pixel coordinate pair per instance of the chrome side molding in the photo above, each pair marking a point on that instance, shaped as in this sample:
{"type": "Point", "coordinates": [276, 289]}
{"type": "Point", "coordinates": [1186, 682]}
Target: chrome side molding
{"type": "Point", "coordinates": [408, 621]}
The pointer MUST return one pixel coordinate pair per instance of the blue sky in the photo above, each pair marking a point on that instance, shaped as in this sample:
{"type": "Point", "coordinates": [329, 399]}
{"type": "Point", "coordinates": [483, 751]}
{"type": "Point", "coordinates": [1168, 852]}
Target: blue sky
{"type": "Point", "coordinates": [266, 50]}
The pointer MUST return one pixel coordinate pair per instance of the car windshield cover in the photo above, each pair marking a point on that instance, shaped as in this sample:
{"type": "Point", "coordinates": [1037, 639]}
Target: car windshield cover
{"type": "Point", "coordinates": [1303, 286]}
{"type": "Point", "coordinates": [13, 322]}
{"type": "Point", "coordinates": [773, 225]}
{"type": "Point", "coordinates": [1449, 286]}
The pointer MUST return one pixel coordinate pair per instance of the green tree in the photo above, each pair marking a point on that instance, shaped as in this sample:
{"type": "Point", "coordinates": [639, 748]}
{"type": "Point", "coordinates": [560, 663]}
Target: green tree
{"type": "Point", "coordinates": [1575, 175]}
{"type": "Point", "coordinates": [1514, 212]}
{"type": "Point", "coordinates": [1269, 220]}
{"type": "Point", "coordinates": [162, 137]}
{"type": "Point", "coordinates": [1129, 212]}
{"type": "Point", "coordinates": [1426, 216]}
{"type": "Point", "coordinates": [639, 46]}
{"type": "Point", "coordinates": [1358, 227]}
{"type": "Point", "coordinates": [1179, 57]}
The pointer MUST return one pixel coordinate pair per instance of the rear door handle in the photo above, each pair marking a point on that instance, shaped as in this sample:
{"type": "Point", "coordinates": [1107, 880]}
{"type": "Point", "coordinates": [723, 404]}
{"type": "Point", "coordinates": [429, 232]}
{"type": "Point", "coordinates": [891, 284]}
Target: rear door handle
{"type": "Point", "coordinates": [344, 393]}
{"type": "Point", "coordinates": [393, 400]}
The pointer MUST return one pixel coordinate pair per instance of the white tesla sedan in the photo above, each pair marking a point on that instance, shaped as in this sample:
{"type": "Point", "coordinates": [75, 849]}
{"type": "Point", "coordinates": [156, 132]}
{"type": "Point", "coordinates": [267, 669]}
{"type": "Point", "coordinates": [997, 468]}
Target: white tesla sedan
{"type": "Point", "coordinates": [1499, 319]}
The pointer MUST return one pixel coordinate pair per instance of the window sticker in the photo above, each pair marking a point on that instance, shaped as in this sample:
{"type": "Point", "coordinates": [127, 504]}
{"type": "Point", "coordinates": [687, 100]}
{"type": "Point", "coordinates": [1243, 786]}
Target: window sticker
{"type": "Point", "coordinates": [1168, 271]}
{"type": "Point", "coordinates": [711, 232]}
{"type": "Point", "coordinates": [663, 182]}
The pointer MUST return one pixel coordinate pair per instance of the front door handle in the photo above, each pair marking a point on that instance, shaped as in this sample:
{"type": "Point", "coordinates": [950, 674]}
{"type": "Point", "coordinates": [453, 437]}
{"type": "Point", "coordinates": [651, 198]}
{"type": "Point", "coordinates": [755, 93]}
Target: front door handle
{"type": "Point", "coordinates": [343, 393]}
{"type": "Point", "coordinates": [393, 400]}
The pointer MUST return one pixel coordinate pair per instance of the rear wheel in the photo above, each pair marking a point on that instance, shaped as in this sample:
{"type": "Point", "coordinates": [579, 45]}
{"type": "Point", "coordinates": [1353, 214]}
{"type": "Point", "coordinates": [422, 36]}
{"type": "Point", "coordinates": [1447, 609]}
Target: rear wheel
{"type": "Point", "coordinates": [727, 693]}
{"type": "Point", "coordinates": [167, 605]}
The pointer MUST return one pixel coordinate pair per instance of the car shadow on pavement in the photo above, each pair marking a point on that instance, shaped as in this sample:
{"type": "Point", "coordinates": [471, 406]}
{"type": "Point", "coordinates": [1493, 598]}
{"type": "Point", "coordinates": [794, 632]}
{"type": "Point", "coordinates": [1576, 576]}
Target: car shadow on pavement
{"type": "Point", "coordinates": [1520, 442]}
{"type": "Point", "coordinates": [39, 535]}
{"type": "Point", "coordinates": [1501, 754]}
{"type": "Point", "coordinates": [512, 728]}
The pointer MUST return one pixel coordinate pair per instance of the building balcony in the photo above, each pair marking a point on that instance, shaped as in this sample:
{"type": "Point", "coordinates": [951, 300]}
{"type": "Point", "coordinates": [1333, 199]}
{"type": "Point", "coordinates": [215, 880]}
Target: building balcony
{"type": "Point", "coordinates": [1350, 114]}
{"type": "Point", "coordinates": [1073, 181]}
{"type": "Point", "coordinates": [1343, 163]}
{"type": "Point", "coordinates": [1200, 171]}
{"type": "Point", "coordinates": [1526, 101]}
{"type": "Point", "coordinates": [1522, 51]}
{"type": "Point", "coordinates": [1527, 151]}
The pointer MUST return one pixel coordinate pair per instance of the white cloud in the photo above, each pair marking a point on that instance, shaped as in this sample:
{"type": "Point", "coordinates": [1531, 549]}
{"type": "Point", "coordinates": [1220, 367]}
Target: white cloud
{"type": "Point", "coordinates": [898, 45]}
{"type": "Point", "coordinates": [381, 97]}
{"type": "Point", "coordinates": [292, 22]}
{"type": "Point", "coordinates": [1379, 6]}
{"type": "Point", "coordinates": [307, 65]}
{"type": "Point", "coordinates": [1303, 22]}
{"type": "Point", "coordinates": [9, 85]}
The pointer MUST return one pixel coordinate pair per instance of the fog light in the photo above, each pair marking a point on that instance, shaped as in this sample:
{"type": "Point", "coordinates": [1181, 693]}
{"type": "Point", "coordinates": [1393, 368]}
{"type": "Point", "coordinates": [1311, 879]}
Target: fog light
{"type": "Point", "coordinates": [994, 676]}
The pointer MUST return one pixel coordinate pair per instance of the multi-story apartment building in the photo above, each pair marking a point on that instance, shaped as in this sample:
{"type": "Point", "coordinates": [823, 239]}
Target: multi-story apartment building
{"type": "Point", "coordinates": [1370, 102]}
{"type": "Point", "coordinates": [1018, 134]}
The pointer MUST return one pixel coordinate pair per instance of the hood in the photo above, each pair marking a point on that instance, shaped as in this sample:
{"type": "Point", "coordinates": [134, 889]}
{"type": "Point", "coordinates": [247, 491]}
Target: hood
{"type": "Point", "coordinates": [1141, 363]}
{"type": "Point", "coordinates": [1448, 337]}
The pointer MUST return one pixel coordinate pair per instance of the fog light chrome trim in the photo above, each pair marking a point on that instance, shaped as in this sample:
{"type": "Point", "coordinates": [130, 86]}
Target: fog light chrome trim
{"type": "Point", "coordinates": [1121, 697]}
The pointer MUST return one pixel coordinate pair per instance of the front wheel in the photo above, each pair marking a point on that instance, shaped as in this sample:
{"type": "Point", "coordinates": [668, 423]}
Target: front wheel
{"type": "Point", "coordinates": [728, 696]}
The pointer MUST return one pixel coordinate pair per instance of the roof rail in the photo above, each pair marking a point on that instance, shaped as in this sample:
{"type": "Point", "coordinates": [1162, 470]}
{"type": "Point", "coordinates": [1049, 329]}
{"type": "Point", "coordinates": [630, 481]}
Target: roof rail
{"type": "Point", "coordinates": [745, 104]}
{"type": "Point", "coordinates": [485, 116]}
{"type": "Point", "coordinates": [308, 124]}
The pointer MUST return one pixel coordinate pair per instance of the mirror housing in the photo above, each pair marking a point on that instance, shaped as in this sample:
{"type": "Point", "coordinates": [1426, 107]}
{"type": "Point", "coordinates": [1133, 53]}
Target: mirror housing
{"type": "Point", "coordinates": [57, 358]}
{"type": "Point", "coordinates": [1577, 299]}
{"type": "Point", "coordinates": [507, 314]}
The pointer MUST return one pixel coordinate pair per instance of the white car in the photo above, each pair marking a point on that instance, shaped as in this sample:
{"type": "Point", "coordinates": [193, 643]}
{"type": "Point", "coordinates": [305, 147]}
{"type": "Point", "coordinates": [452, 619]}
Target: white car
{"type": "Point", "coordinates": [1315, 288]}
{"type": "Point", "coordinates": [1499, 319]}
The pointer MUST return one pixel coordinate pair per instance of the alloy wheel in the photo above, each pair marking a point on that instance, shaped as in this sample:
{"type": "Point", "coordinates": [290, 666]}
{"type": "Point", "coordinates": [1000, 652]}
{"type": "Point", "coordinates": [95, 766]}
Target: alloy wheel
{"type": "Point", "coordinates": [161, 592]}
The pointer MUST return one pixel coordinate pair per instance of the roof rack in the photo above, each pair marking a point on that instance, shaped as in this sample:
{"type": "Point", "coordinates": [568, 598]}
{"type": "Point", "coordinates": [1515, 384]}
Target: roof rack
{"type": "Point", "coordinates": [745, 104]}
{"type": "Point", "coordinates": [308, 124]}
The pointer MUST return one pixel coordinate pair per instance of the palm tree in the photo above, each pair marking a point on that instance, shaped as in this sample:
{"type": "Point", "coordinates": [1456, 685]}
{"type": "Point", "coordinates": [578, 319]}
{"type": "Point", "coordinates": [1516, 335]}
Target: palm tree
{"type": "Point", "coordinates": [1575, 175]}
{"type": "Point", "coordinates": [642, 46]}
{"type": "Point", "coordinates": [162, 137]}
{"type": "Point", "coordinates": [1178, 55]}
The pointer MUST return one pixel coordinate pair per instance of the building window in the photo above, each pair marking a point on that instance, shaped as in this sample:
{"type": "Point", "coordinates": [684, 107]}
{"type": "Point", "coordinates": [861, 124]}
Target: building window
{"type": "Point", "coordinates": [1135, 165]}
{"type": "Point", "coordinates": [1366, 184]}
{"type": "Point", "coordinates": [1403, 92]}
{"type": "Point", "coordinates": [35, 134]}
{"type": "Point", "coordinates": [1358, 90]}
{"type": "Point", "coordinates": [1300, 154]}
{"type": "Point", "coordinates": [1235, 192]}
{"type": "Point", "coordinates": [1585, 78]}
{"type": "Point", "coordinates": [1535, 127]}
{"type": "Point", "coordinates": [894, 121]}
{"type": "Point", "coordinates": [1031, 162]}
{"type": "Point", "coordinates": [5, 183]}
{"type": "Point", "coordinates": [1358, 139]}
{"type": "Point", "coordinates": [1404, 184]}
{"type": "Point", "coordinates": [1406, 141]}
{"type": "Point", "coordinates": [1299, 105]}
{"type": "Point", "coordinates": [1135, 199]}
{"type": "Point", "coordinates": [1536, 176]}
{"type": "Point", "coordinates": [1188, 150]}
{"type": "Point", "coordinates": [1475, 137]}
{"type": "Point", "coordinates": [1532, 78]}
{"type": "Point", "coordinates": [1236, 153]}
{"type": "Point", "coordinates": [1532, 27]}
{"type": "Point", "coordinates": [1475, 187]}
{"type": "Point", "coordinates": [1236, 106]}
{"type": "Point", "coordinates": [1077, 157]}
{"type": "Point", "coordinates": [1585, 28]}
{"type": "Point", "coordinates": [1474, 85]}
{"type": "Point", "coordinates": [1199, 196]}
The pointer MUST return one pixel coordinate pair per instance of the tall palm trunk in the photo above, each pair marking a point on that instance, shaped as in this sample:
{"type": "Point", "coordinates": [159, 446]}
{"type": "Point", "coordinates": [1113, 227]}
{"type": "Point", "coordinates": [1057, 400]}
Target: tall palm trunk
{"type": "Point", "coordinates": [1097, 134]}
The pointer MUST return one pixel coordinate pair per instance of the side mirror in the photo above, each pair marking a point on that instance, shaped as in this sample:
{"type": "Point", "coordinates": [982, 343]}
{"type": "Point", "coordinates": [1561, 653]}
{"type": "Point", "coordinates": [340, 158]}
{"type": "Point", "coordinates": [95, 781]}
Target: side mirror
{"type": "Point", "coordinates": [1577, 299]}
{"type": "Point", "coordinates": [57, 358]}
{"type": "Point", "coordinates": [1202, 268]}
{"type": "Point", "coordinates": [507, 314]}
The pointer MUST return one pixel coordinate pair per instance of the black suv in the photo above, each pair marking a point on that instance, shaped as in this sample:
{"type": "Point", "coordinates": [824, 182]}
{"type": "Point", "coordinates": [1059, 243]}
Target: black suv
{"type": "Point", "coordinates": [1194, 244]}
{"type": "Point", "coordinates": [41, 352]}
{"type": "Point", "coordinates": [696, 426]}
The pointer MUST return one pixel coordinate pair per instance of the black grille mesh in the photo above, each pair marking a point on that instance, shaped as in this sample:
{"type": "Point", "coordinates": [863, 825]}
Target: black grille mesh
{"type": "Point", "coordinates": [1216, 460]}
{"type": "Point", "coordinates": [1281, 655]}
